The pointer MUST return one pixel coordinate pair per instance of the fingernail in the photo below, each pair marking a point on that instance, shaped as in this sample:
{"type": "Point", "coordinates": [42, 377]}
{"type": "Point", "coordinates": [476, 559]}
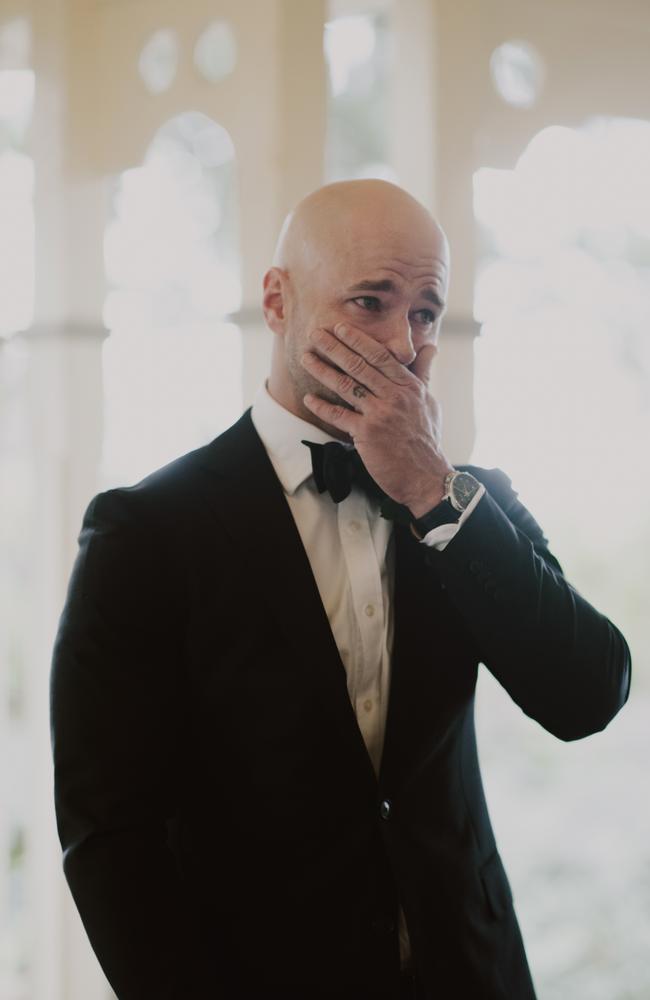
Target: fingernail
{"type": "Point", "coordinates": [341, 330]}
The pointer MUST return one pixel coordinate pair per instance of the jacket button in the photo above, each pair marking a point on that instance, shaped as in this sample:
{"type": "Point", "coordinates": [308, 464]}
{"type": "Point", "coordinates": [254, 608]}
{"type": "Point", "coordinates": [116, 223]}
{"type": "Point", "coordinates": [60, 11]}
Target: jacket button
{"type": "Point", "coordinates": [475, 567]}
{"type": "Point", "coordinates": [384, 809]}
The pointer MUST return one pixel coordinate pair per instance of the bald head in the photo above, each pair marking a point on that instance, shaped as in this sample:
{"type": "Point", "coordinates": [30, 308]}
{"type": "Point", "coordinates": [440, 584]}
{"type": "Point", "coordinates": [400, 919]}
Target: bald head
{"type": "Point", "coordinates": [364, 253]}
{"type": "Point", "coordinates": [336, 216]}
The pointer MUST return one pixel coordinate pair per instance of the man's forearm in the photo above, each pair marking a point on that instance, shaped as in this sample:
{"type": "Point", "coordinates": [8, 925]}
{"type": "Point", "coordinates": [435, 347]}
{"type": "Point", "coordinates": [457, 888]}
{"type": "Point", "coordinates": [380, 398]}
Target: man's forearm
{"type": "Point", "coordinates": [563, 662]}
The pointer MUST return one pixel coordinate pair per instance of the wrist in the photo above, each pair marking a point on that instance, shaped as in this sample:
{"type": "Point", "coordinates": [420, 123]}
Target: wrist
{"type": "Point", "coordinates": [430, 495]}
{"type": "Point", "coordinates": [460, 490]}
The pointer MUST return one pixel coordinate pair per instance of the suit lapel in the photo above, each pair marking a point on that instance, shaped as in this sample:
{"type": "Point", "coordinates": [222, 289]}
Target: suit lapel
{"type": "Point", "coordinates": [412, 608]}
{"type": "Point", "coordinates": [249, 501]}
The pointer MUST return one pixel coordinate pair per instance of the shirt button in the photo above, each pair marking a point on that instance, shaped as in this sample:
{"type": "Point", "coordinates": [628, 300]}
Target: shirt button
{"type": "Point", "coordinates": [369, 610]}
{"type": "Point", "coordinates": [384, 809]}
{"type": "Point", "coordinates": [367, 704]}
{"type": "Point", "coordinates": [353, 527]}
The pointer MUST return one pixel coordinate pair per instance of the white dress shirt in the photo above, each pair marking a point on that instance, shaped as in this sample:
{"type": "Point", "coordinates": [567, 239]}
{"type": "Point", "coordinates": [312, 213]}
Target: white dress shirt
{"type": "Point", "coordinates": [350, 549]}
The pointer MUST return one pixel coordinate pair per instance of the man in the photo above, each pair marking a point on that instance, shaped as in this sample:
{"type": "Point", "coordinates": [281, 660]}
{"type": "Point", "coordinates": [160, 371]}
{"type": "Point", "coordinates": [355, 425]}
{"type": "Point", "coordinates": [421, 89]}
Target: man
{"type": "Point", "coordinates": [262, 692]}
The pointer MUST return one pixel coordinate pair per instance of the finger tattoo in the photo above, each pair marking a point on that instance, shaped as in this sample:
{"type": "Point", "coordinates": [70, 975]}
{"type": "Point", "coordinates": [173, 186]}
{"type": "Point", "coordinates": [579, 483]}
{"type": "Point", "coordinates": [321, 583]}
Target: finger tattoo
{"type": "Point", "coordinates": [359, 391]}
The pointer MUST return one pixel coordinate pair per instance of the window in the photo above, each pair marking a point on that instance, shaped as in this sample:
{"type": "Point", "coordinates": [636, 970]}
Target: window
{"type": "Point", "coordinates": [517, 73]}
{"type": "Point", "coordinates": [215, 53]}
{"type": "Point", "coordinates": [562, 390]}
{"type": "Point", "coordinates": [158, 63]}
{"type": "Point", "coordinates": [357, 53]}
{"type": "Point", "coordinates": [172, 362]}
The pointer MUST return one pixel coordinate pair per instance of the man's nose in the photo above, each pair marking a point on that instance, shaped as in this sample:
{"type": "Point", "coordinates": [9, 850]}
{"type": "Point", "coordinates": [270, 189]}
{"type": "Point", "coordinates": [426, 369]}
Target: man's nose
{"type": "Point", "coordinates": [399, 340]}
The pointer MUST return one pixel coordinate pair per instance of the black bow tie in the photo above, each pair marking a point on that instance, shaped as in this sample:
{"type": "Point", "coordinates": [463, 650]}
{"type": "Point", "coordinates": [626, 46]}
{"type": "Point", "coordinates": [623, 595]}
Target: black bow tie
{"type": "Point", "coordinates": [338, 467]}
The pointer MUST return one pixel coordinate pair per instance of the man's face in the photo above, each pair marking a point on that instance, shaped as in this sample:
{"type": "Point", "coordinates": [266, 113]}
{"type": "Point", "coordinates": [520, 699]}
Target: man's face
{"type": "Point", "coordinates": [388, 282]}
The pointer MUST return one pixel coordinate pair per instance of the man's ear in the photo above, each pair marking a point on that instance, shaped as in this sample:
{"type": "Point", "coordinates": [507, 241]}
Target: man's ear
{"type": "Point", "coordinates": [274, 299]}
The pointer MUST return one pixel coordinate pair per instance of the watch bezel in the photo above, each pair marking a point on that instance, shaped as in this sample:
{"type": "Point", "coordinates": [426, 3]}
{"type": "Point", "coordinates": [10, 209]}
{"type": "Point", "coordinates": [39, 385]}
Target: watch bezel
{"type": "Point", "coordinates": [452, 495]}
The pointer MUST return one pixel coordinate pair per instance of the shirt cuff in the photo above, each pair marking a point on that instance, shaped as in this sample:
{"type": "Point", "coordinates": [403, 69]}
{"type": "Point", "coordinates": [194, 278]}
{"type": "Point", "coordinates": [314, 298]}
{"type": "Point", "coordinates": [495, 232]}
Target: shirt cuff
{"type": "Point", "coordinates": [440, 537]}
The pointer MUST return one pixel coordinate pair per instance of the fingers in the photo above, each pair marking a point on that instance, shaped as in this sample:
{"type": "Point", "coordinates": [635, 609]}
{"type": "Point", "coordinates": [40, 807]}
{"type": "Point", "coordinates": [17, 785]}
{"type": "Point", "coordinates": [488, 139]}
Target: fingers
{"type": "Point", "coordinates": [344, 385]}
{"type": "Point", "coordinates": [337, 416]}
{"type": "Point", "coordinates": [435, 414]}
{"type": "Point", "coordinates": [361, 357]}
{"type": "Point", "coordinates": [375, 354]}
{"type": "Point", "coordinates": [421, 367]}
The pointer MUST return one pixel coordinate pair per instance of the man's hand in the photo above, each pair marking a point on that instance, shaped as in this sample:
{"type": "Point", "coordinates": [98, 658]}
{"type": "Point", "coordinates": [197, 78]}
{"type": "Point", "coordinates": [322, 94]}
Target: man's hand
{"type": "Point", "coordinates": [394, 422]}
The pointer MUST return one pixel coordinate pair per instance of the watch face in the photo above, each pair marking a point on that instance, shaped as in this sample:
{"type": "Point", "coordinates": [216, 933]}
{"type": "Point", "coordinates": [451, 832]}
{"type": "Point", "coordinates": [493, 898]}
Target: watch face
{"type": "Point", "coordinates": [463, 489]}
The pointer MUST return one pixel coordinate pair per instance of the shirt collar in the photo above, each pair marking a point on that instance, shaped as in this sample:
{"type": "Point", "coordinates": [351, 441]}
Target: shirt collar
{"type": "Point", "coordinates": [281, 433]}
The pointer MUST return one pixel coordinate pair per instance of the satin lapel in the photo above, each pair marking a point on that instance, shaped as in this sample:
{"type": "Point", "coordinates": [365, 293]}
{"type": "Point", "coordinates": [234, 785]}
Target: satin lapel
{"type": "Point", "coordinates": [249, 501]}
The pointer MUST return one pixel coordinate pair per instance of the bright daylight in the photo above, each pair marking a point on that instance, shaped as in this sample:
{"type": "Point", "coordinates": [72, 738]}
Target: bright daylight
{"type": "Point", "coordinates": [313, 684]}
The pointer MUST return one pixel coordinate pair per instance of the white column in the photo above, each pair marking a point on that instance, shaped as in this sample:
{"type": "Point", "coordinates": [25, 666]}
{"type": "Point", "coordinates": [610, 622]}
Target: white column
{"type": "Point", "coordinates": [452, 383]}
{"type": "Point", "coordinates": [257, 342]}
{"type": "Point", "coordinates": [64, 403]}
{"type": "Point", "coordinates": [63, 396]}
{"type": "Point", "coordinates": [295, 165]}
{"type": "Point", "coordinates": [412, 115]}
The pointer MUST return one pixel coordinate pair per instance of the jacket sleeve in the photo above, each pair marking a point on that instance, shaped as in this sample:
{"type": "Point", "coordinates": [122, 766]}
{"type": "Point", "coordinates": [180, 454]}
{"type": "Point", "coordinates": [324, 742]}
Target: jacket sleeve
{"type": "Point", "coordinates": [565, 664]}
{"type": "Point", "coordinates": [117, 738]}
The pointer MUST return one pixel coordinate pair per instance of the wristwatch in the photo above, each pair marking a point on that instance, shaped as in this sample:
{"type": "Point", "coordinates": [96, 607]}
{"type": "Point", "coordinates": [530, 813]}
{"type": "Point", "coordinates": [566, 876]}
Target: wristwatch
{"type": "Point", "coordinates": [460, 488]}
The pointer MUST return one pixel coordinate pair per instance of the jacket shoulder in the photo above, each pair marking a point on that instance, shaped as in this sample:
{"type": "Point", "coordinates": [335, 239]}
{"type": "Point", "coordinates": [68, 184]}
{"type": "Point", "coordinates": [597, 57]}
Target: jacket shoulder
{"type": "Point", "coordinates": [174, 489]}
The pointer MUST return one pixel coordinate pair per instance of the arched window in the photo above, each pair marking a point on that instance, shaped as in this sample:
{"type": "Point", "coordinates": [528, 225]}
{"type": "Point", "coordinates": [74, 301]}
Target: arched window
{"type": "Point", "coordinates": [357, 54]}
{"type": "Point", "coordinates": [562, 391]}
{"type": "Point", "coordinates": [172, 362]}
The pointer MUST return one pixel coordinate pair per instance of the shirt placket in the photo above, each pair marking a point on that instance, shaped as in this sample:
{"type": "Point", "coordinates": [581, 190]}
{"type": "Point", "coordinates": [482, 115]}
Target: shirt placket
{"type": "Point", "coordinates": [367, 601]}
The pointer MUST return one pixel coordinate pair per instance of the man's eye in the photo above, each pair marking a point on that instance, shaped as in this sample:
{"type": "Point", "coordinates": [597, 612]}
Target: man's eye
{"type": "Point", "coordinates": [425, 316]}
{"type": "Point", "coordinates": [368, 302]}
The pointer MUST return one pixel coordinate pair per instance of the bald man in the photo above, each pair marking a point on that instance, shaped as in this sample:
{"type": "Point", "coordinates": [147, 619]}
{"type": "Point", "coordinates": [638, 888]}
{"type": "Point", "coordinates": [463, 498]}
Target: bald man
{"type": "Point", "coordinates": [266, 776]}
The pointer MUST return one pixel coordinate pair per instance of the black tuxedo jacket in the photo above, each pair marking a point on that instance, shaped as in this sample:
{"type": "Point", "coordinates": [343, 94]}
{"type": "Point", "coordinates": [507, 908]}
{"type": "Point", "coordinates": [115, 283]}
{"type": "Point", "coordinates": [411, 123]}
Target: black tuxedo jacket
{"type": "Point", "coordinates": [223, 830]}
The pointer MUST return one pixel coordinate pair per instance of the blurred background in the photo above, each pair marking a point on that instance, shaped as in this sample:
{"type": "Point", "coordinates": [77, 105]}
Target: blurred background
{"type": "Point", "coordinates": [148, 153]}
